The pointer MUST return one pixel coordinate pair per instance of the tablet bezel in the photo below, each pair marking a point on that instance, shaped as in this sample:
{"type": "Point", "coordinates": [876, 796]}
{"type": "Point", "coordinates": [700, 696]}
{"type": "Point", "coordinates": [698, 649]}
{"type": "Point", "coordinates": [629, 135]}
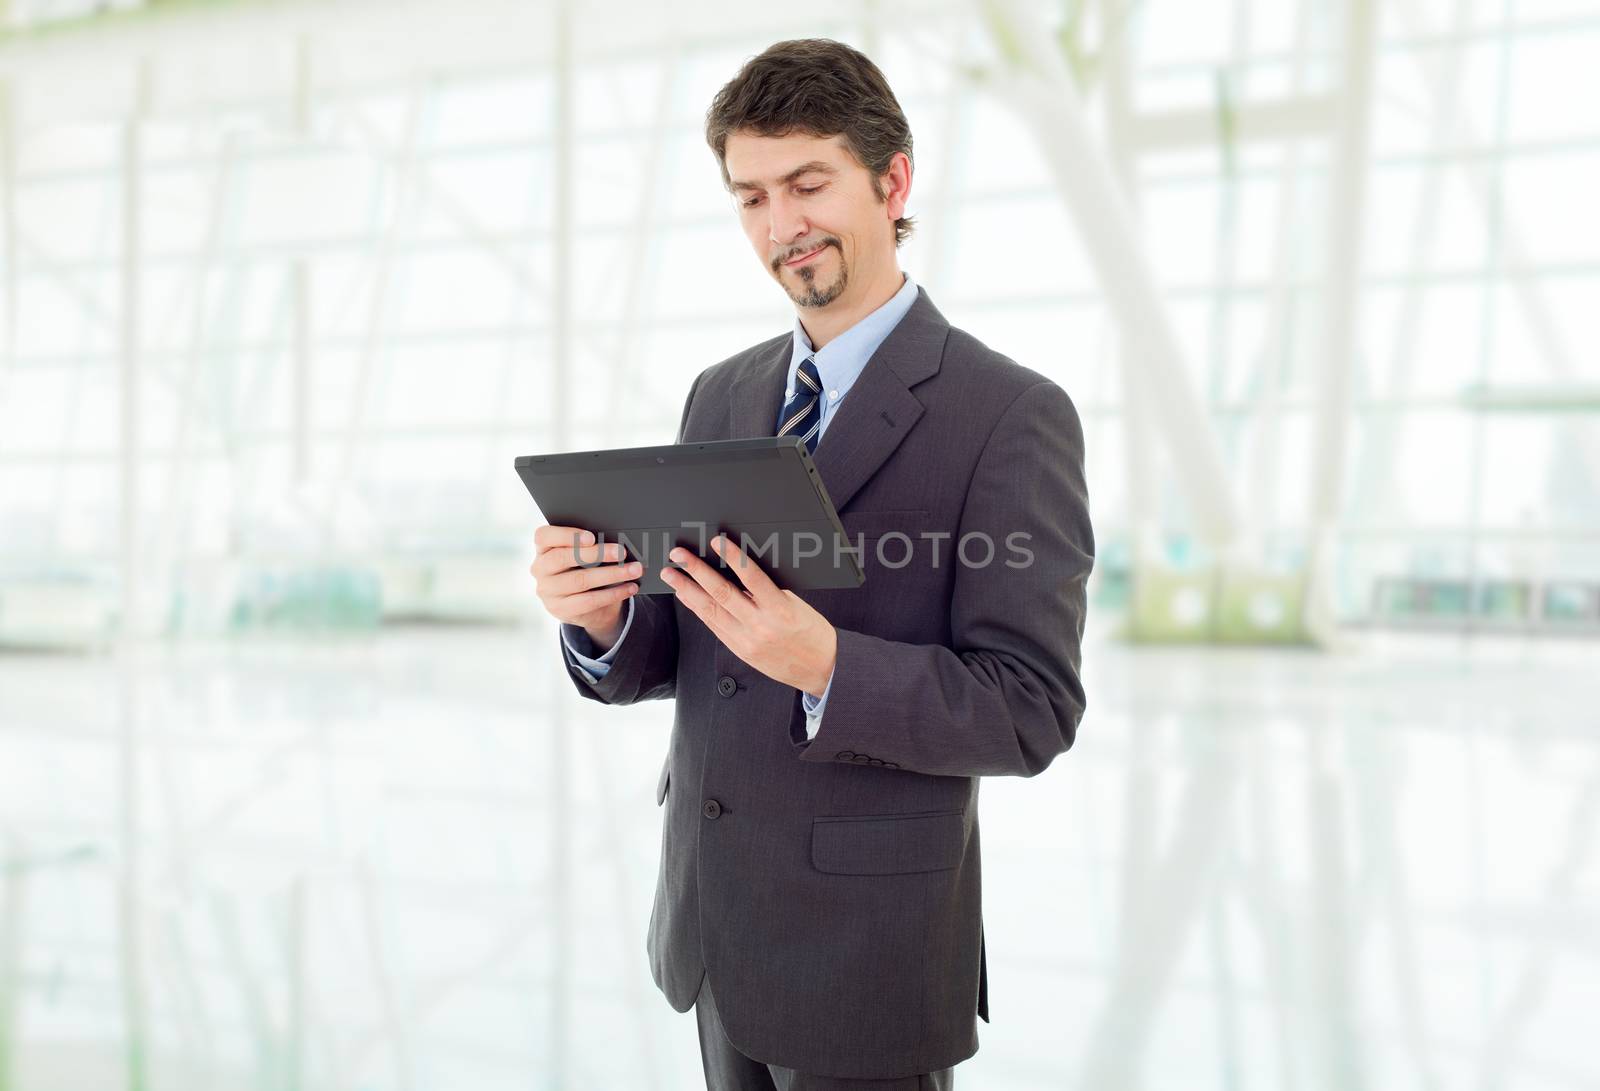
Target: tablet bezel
{"type": "Point", "coordinates": [644, 459]}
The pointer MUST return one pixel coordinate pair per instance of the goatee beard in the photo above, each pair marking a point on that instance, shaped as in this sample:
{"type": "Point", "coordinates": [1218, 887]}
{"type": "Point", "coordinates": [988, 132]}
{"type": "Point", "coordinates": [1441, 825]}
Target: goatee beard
{"type": "Point", "coordinates": [811, 294]}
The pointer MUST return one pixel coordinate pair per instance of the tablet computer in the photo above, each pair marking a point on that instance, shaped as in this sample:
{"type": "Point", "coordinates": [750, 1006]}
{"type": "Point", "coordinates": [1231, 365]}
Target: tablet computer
{"type": "Point", "coordinates": [764, 493]}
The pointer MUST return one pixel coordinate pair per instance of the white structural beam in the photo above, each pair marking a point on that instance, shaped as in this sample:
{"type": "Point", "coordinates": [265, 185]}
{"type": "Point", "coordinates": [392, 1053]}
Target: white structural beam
{"type": "Point", "coordinates": [1138, 436]}
{"type": "Point", "coordinates": [300, 289]}
{"type": "Point", "coordinates": [563, 395]}
{"type": "Point", "coordinates": [1341, 304]}
{"type": "Point", "coordinates": [130, 910]}
{"type": "Point", "coordinates": [1460, 131]}
{"type": "Point", "coordinates": [13, 913]}
{"type": "Point", "coordinates": [1277, 346]}
{"type": "Point", "coordinates": [1282, 119]}
{"type": "Point", "coordinates": [8, 235]}
{"type": "Point", "coordinates": [129, 363]}
{"type": "Point", "coordinates": [934, 241]}
{"type": "Point", "coordinates": [1377, 484]}
{"type": "Point", "coordinates": [642, 260]}
{"type": "Point", "coordinates": [181, 470]}
{"type": "Point", "coordinates": [1039, 86]}
{"type": "Point", "coordinates": [390, 42]}
{"type": "Point", "coordinates": [403, 171]}
{"type": "Point", "coordinates": [1540, 398]}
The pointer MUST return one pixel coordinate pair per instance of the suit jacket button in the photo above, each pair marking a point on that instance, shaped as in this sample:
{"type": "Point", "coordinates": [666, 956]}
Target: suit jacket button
{"type": "Point", "coordinates": [861, 759]}
{"type": "Point", "coordinates": [727, 686]}
{"type": "Point", "coordinates": [845, 755]}
{"type": "Point", "coordinates": [711, 809]}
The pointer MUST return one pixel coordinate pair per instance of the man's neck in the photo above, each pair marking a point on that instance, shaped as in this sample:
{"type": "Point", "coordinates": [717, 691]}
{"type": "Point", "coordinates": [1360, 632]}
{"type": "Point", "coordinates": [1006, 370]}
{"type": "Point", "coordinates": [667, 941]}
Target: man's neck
{"type": "Point", "coordinates": [824, 324]}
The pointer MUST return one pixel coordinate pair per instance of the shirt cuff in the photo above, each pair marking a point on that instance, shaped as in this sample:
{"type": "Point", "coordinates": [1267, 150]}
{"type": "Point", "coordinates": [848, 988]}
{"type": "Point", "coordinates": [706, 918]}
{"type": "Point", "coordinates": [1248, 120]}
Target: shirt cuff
{"type": "Point", "coordinates": [813, 707]}
{"type": "Point", "coordinates": [591, 667]}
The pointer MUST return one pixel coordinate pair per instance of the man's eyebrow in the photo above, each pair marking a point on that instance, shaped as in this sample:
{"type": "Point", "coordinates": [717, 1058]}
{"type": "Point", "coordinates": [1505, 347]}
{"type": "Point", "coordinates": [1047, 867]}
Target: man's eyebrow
{"type": "Point", "coordinates": [815, 166]}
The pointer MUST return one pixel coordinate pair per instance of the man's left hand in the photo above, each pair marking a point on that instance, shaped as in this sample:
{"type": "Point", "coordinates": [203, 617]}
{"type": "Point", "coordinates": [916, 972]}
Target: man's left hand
{"type": "Point", "coordinates": [772, 629]}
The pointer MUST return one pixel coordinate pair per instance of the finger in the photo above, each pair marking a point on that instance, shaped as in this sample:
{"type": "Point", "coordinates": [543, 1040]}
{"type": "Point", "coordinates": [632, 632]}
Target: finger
{"type": "Point", "coordinates": [575, 581]}
{"type": "Point", "coordinates": [730, 597]}
{"type": "Point", "coordinates": [553, 537]}
{"type": "Point", "coordinates": [693, 596]}
{"type": "Point", "coordinates": [589, 601]}
{"type": "Point", "coordinates": [560, 558]}
{"type": "Point", "coordinates": [699, 600]}
{"type": "Point", "coordinates": [751, 575]}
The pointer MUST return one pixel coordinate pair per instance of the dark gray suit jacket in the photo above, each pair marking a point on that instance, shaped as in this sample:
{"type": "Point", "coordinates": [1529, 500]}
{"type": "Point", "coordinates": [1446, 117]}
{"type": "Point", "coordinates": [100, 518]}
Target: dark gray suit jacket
{"type": "Point", "coordinates": [830, 888]}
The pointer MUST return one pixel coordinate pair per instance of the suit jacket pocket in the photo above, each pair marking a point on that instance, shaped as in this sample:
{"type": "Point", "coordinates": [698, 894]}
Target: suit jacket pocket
{"type": "Point", "coordinates": [887, 844]}
{"type": "Point", "coordinates": [871, 525]}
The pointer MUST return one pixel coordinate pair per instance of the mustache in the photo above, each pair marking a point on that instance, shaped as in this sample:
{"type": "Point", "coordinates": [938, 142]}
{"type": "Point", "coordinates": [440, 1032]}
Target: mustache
{"type": "Point", "coordinates": [805, 248]}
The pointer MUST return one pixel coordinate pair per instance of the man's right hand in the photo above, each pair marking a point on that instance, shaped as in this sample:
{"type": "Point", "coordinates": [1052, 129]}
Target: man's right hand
{"type": "Point", "coordinates": [590, 597]}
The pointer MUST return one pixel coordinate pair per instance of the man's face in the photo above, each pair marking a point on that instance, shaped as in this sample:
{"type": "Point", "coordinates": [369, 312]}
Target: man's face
{"type": "Point", "coordinates": [810, 211]}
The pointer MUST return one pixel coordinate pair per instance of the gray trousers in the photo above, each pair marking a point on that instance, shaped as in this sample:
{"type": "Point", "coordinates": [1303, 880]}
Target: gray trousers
{"type": "Point", "coordinates": [729, 1070]}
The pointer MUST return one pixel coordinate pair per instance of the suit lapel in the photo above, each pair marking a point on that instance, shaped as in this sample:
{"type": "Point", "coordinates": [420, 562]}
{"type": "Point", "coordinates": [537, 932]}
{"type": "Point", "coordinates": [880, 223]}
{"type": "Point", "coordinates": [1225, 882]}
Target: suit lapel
{"type": "Point", "coordinates": [873, 418]}
{"type": "Point", "coordinates": [757, 392]}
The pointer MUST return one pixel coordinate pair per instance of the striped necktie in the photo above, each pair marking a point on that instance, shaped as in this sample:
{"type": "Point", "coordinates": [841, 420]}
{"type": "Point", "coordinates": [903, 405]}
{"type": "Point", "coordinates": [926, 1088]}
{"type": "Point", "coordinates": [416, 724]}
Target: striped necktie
{"type": "Point", "coordinates": [802, 414]}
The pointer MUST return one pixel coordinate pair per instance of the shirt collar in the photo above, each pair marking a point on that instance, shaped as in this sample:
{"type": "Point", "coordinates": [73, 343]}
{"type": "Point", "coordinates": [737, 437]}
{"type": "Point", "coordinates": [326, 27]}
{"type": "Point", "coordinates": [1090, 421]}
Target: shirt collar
{"type": "Point", "coordinates": [841, 360]}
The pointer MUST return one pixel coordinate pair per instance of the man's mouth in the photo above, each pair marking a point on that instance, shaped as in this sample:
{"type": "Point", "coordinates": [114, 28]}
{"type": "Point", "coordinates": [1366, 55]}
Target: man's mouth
{"type": "Point", "coordinates": [793, 263]}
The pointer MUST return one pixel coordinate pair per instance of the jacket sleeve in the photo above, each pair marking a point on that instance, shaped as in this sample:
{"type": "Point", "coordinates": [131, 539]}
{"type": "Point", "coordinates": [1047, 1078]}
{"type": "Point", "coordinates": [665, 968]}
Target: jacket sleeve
{"type": "Point", "coordinates": [644, 666]}
{"type": "Point", "coordinates": [582, 649]}
{"type": "Point", "coordinates": [1005, 697]}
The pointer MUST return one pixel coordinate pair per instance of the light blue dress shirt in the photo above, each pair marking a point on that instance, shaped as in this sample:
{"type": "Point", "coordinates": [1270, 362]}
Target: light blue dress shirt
{"type": "Point", "coordinates": [839, 363]}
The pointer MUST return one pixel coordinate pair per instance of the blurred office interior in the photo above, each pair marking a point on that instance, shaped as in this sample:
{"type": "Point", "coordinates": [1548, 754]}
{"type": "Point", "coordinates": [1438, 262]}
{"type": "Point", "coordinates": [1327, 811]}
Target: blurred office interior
{"type": "Point", "coordinates": [293, 792]}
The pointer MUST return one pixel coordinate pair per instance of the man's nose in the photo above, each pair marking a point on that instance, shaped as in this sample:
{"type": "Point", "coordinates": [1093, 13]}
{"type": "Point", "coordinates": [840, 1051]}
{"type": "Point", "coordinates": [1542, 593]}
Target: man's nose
{"type": "Point", "coordinates": [786, 223]}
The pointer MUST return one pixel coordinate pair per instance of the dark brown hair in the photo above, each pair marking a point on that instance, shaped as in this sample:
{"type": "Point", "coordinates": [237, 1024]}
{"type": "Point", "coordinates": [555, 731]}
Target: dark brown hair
{"type": "Point", "coordinates": [819, 87]}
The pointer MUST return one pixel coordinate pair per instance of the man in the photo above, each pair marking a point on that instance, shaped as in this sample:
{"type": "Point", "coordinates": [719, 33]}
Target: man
{"type": "Point", "coordinates": [818, 899]}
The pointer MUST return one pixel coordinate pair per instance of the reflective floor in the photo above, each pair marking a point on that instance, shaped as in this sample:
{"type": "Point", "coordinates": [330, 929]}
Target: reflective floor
{"type": "Point", "coordinates": [420, 862]}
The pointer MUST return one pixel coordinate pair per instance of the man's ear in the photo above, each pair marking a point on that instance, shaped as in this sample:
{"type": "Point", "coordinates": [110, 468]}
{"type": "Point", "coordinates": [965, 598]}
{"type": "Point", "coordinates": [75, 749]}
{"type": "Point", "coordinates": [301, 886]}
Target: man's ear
{"type": "Point", "coordinates": [895, 184]}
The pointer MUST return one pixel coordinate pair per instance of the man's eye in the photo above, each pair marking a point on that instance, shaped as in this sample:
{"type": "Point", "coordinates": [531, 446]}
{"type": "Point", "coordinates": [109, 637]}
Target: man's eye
{"type": "Point", "coordinates": [808, 190]}
{"type": "Point", "coordinates": [750, 202]}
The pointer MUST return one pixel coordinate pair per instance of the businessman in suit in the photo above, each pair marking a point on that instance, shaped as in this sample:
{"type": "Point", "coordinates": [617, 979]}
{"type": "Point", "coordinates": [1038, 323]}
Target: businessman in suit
{"type": "Point", "coordinates": [818, 899]}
